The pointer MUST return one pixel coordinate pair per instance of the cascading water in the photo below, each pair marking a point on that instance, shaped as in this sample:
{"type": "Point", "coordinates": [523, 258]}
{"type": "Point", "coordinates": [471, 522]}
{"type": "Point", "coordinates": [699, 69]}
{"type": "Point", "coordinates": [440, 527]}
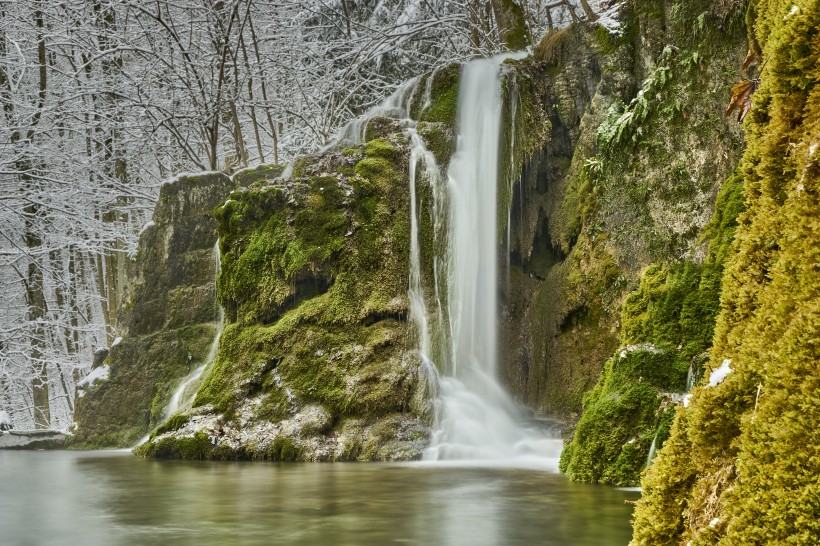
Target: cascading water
{"type": "Point", "coordinates": [396, 106]}
{"type": "Point", "coordinates": [455, 314]}
{"type": "Point", "coordinates": [477, 420]}
{"type": "Point", "coordinates": [185, 392]}
{"type": "Point", "coordinates": [652, 449]}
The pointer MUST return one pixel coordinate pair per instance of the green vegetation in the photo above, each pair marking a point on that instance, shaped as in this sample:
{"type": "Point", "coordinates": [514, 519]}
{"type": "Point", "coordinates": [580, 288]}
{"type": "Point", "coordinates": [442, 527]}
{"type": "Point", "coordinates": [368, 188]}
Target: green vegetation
{"type": "Point", "coordinates": [257, 175]}
{"type": "Point", "coordinates": [667, 324]}
{"type": "Point", "coordinates": [439, 140]}
{"type": "Point", "coordinates": [174, 422]}
{"type": "Point", "coordinates": [622, 156]}
{"type": "Point", "coordinates": [637, 197]}
{"type": "Point", "coordinates": [196, 447]}
{"type": "Point", "coordinates": [314, 285]}
{"type": "Point", "coordinates": [621, 416]}
{"type": "Point", "coordinates": [741, 464]}
{"type": "Point", "coordinates": [443, 106]}
{"type": "Point", "coordinates": [169, 319]}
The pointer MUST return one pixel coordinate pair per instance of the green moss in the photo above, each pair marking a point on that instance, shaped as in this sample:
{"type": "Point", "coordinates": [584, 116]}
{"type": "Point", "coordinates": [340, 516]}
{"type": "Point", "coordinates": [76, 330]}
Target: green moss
{"type": "Point", "coordinates": [674, 307]}
{"type": "Point", "coordinates": [438, 139]}
{"type": "Point", "coordinates": [668, 307]}
{"type": "Point", "coordinates": [273, 241]}
{"type": "Point", "coordinates": [314, 284]}
{"type": "Point", "coordinates": [513, 21]}
{"type": "Point", "coordinates": [381, 148]}
{"type": "Point", "coordinates": [284, 449]}
{"type": "Point", "coordinates": [744, 453]}
{"type": "Point", "coordinates": [145, 371]}
{"type": "Point", "coordinates": [300, 166]}
{"type": "Point", "coordinates": [612, 440]}
{"type": "Point", "coordinates": [197, 447]}
{"type": "Point", "coordinates": [174, 422]}
{"type": "Point", "coordinates": [606, 41]}
{"type": "Point", "coordinates": [376, 169]}
{"type": "Point", "coordinates": [443, 106]}
{"type": "Point", "coordinates": [256, 175]}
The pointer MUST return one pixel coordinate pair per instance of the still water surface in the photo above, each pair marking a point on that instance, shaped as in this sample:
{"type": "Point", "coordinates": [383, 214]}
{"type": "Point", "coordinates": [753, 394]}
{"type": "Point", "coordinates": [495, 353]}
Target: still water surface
{"type": "Point", "coordinates": [110, 498]}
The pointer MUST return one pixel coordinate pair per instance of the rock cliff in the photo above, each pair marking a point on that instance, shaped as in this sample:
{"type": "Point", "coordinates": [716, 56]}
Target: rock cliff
{"type": "Point", "coordinates": [316, 361]}
{"type": "Point", "coordinates": [169, 320]}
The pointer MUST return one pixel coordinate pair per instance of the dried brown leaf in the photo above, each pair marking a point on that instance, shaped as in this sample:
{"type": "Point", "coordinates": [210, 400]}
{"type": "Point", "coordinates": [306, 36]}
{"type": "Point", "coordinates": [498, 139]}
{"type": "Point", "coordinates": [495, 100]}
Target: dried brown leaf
{"type": "Point", "coordinates": [742, 98]}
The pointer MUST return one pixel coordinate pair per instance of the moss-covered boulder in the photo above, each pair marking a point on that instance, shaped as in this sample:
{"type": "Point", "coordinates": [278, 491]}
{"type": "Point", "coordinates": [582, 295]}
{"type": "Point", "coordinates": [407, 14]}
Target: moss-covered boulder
{"type": "Point", "coordinates": [670, 320]}
{"type": "Point", "coordinates": [169, 320]}
{"type": "Point", "coordinates": [317, 361]}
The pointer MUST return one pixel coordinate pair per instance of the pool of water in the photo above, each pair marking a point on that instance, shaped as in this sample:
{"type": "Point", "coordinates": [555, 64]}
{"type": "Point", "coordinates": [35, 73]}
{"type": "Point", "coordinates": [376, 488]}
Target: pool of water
{"type": "Point", "coordinates": [107, 498]}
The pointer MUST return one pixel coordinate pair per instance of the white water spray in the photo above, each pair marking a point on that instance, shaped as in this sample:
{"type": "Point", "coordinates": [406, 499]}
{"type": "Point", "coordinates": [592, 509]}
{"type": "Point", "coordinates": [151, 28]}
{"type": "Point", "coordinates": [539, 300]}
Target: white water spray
{"type": "Point", "coordinates": [478, 421]}
{"type": "Point", "coordinates": [396, 106]}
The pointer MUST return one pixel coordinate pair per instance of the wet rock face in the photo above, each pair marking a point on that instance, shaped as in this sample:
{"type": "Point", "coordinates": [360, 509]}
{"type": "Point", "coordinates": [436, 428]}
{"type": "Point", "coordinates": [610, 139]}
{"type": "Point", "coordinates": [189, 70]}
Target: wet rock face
{"type": "Point", "coordinates": [168, 321]}
{"type": "Point", "coordinates": [599, 199]}
{"type": "Point", "coordinates": [316, 361]}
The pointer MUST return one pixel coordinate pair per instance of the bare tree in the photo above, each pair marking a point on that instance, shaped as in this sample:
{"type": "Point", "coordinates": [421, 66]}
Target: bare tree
{"type": "Point", "coordinates": [103, 99]}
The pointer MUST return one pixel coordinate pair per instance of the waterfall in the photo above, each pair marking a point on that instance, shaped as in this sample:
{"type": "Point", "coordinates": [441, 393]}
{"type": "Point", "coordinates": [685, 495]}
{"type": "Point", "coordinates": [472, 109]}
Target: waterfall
{"type": "Point", "coordinates": [185, 393]}
{"type": "Point", "coordinates": [396, 106]}
{"type": "Point", "coordinates": [652, 449]}
{"type": "Point", "coordinates": [692, 375]}
{"type": "Point", "coordinates": [477, 421]}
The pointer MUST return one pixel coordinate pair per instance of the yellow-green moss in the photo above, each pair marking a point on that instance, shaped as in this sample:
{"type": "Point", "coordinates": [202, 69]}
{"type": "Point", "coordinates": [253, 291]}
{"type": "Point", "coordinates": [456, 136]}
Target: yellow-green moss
{"type": "Point", "coordinates": [439, 140]}
{"type": "Point", "coordinates": [257, 175]}
{"type": "Point", "coordinates": [174, 422]}
{"type": "Point", "coordinates": [673, 312]}
{"type": "Point", "coordinates": [742, 462]}
{"type": "Point", "coordinates": [621, 417]}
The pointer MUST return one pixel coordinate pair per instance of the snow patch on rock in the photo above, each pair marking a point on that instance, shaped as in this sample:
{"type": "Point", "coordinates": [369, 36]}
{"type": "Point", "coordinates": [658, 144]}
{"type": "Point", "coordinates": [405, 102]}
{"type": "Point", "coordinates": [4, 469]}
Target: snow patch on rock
{"type": "Point", "coordinates": [719, 374]}
{"type": "Point", "coordinates": [97, 374]}
{"type": "Point", "coordinates": [608, 18]}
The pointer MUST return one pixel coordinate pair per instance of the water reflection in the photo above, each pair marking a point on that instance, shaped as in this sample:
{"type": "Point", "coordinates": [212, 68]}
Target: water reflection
{"type": "Point", "coordinates": [113, 498]}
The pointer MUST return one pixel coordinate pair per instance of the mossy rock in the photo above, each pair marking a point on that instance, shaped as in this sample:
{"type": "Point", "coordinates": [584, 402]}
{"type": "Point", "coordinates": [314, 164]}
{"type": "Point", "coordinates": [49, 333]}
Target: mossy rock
{"type": "Point", "coordinates": [257, 175]}
{"type": "Point", "coordinates": [620, 420]}
{"type": "Point", "coordinates": [443, 104]}
{"type": "Point", "coordinates": [439, 139]}
{"type": "Point", "coordinates": [314, 285]}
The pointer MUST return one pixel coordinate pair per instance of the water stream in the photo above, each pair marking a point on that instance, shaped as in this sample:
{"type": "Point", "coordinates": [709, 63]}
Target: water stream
{"type": "Point", "coordinates": [186, 391]}
{"type": "Point", "coordinates": [477, 420]}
